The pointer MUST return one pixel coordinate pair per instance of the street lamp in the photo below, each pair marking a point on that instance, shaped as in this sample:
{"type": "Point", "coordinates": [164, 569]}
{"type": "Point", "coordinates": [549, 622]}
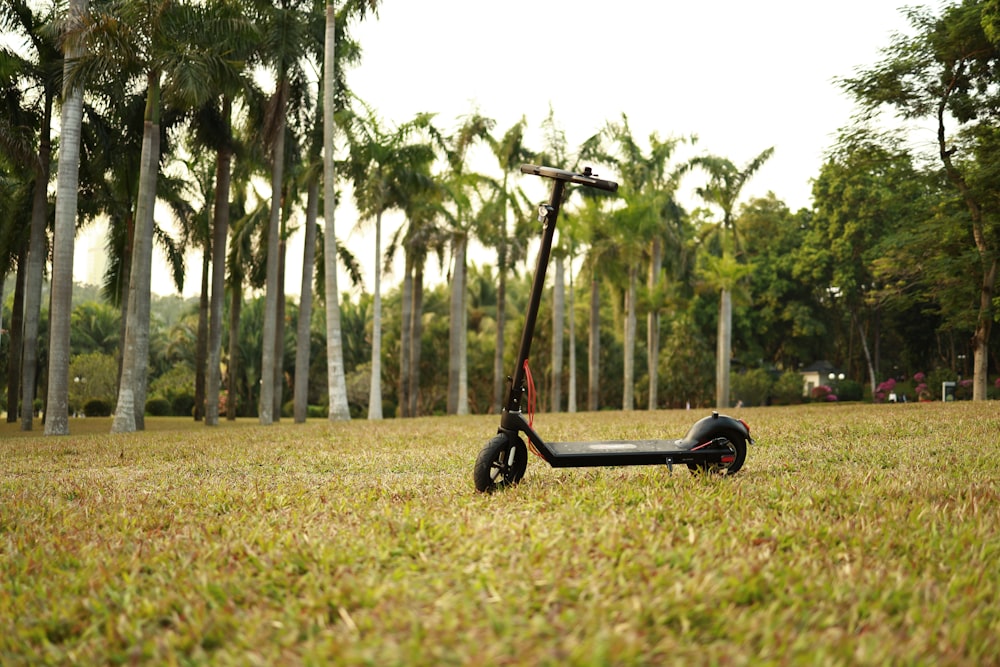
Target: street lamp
{"type": "Point", "coordinates": [835, 380]}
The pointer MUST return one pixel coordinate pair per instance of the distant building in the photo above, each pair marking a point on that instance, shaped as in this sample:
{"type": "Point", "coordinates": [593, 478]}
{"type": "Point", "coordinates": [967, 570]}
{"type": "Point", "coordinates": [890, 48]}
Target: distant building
{"type": "Point", "coordinates": [818, 373]}
{"type": "Point", "coordinates": [97, 262]}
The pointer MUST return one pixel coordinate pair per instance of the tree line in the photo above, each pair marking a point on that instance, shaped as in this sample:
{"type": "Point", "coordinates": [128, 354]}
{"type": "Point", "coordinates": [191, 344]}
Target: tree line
{"type": "Point", "coordinates": [891, 272]}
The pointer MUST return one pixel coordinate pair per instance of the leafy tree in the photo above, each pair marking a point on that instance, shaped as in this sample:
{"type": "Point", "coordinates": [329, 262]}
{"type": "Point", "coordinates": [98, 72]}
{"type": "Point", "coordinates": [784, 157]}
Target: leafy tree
{"type": "Point", "coordinates": [787, 323]}
{"type": "Point", "coordinates": [93, 376]}
{"type": "Point", "coordinates": [866, 192]}
{"type": "Point", "coordinates": [946, 70]}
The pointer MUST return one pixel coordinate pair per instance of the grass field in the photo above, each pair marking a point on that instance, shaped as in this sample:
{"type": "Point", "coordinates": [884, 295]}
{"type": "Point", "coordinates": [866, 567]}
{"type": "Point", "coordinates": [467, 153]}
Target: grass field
{"type": "Point", "coordinates": [855, 534]}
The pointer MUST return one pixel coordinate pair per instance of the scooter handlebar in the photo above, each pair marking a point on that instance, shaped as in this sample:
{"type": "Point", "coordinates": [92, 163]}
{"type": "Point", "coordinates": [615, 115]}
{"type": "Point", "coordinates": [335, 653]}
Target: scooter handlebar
{"type": "Point", "coordinates": [562, 175]}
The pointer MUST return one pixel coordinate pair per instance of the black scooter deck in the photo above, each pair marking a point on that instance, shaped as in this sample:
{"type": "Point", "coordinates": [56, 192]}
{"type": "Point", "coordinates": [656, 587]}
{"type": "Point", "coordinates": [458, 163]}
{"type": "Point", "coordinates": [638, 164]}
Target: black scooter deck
{"type": "Point", "coordinates": [625, 453]}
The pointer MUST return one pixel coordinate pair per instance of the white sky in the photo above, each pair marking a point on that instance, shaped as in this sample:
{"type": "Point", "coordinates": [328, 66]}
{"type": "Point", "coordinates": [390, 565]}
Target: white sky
{"type": "Point", "coordinates": [741, 75]}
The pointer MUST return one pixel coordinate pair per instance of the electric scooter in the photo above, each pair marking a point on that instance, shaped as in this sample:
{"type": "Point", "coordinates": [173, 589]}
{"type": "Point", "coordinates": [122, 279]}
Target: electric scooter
{"type": "Point", "coordinates": [714, 445]}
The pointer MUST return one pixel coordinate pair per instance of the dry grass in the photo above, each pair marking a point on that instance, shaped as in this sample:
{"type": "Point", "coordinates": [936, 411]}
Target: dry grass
{"type": "Point", "coordinates": [854, 534]}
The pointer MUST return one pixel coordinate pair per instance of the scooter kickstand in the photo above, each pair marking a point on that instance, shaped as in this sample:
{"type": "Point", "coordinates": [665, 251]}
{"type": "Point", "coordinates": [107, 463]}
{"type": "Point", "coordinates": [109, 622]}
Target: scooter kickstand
{"type": "Point", "coordinates": [670, 465]}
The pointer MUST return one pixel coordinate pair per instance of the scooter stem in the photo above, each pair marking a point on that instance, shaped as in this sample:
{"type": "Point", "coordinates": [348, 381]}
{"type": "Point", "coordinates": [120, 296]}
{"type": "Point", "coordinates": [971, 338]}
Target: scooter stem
{"type": "Point", "coordinates": [537, 287]}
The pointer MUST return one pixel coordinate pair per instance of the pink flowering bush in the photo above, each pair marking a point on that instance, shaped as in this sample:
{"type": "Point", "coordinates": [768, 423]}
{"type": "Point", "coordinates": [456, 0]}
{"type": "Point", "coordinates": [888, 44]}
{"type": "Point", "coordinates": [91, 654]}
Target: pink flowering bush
{"type": "Point", "coordinates": [823, 393]}
{"type": "Point", "coordinates": [884, 389]}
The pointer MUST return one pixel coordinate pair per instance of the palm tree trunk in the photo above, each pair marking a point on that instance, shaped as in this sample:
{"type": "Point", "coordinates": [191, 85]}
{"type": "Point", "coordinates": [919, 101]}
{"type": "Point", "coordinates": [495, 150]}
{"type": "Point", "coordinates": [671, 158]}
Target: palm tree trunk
{"type": "Point", "coordinates": [220, 233]}
{"type": "Point", "coordinates": [135, 357]}
{"type": "Point", "coordinates": [981, 337]}
{"type": "Point", "coordinates": [279, 334]}
{"type": "Point", "coordinates": [724, 349]}
{"type": "Point", "coordinates": [144, 300]}
{"type": "Point", "coordinates": [558, 321]}
{"type": "Point", "coordinates": [628, 390]}
{"type": "Point", "coordinates": [405, 335]}
{"type": "Point", "coordinates": [868, 356]}
{"type": "Point", "coordinates": [653, 327]}
{"type": "Point", "coordinates": [123, 286]}
{"type": "Point", "coordinates": [266, 404]}
{"type": "Point", "coordinates": [498, 371]}
{"type": "Point", "coordinates": [571, 394]}
{"type": "Point", "coordinates": [234, 347]}
{"type": "Point", "coordinates": [336, 376]}
{"type": "Point", "coordinates": [201, 350]}
{"type": "Point", "coordinates": [416, 335]}
{"type": "Point", "coordinates": [302, 334]}
{"type": "Point", "coordinates": [594, 362]}
{"type": "Point", "coordinates": [463, 337]}
{"type": "Point", "coordinates": [457, 319]}
{"type": "Point", "coordinates": [16, 338]}
{"type": "Point", "coordinates": [375, 389]}
{"type": "Point", "coordinates": [36, 266]}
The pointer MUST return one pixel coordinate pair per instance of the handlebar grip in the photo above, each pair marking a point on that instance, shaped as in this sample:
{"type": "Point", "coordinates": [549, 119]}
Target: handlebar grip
{"type": "Point", "coordinates": [572, 177]}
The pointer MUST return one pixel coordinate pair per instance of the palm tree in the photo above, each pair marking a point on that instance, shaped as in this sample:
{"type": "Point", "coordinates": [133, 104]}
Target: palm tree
{"type": "Point", "coordinates": [725, 183]}
{"type": "Point", "coordinates": [169, 47]}
{"type": "Point", "coordinates": [421, 233]}
{"type": "Point", "coordinates": [288, 30]}
{"type": "Point", "coordinates": [569, 246]}
{"type": "Point", "coordinates": [213, 129]}
{"type": "Point", "coordinates": [242, 268]}
{"type": "Point", "coordinates": [650, 187]}
{"type": "Point", "coordinates": [333, 96]}
{"type": "Point", "coordinates": [459, 184]}
{"type": "Point", "coordinates": [94, 328]}
{"type": "Point", "coordinates": [383, 164]}
{"type": "Point", "coordinates": [67, 181]}
{"type": "Point", "coordinates": [556, 153]}
{"type": "Point", "coordinates": [600, 247]}
{"type": "Point", "coordinates": [40, 71]}
{"type": "Point", "coordinates": [17, 148]}
{"type": "Point", "coordinates": [510, 151]}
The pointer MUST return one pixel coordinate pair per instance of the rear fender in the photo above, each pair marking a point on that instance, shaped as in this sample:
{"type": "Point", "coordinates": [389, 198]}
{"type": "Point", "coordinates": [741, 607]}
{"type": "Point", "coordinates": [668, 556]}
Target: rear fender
{"type": "Point", "coordinates": [706, 429]}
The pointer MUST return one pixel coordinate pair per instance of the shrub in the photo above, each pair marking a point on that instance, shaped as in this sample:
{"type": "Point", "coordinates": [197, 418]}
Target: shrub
{"type": "Point", "coordinates": [849, 390]}
{"type": "Point", "coordinates": [158, 407]}
{"type": "Point", "coordinates": [317, 411]}
{"type": "Point", "coordinates": [787, 389]}
{"type": "Point", "coordinates": [182, 405]}
{"type": "Point", "coordinates": [752, 387]}
{"type": "Point", "coordinates": [96, 407]}
{"type": "Point", "coordinates": [935, 378]}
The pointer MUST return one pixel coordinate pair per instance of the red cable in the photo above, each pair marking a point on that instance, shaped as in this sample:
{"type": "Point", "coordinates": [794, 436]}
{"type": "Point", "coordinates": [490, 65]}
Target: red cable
{"type": "Point", "coordinates": [531, 395]}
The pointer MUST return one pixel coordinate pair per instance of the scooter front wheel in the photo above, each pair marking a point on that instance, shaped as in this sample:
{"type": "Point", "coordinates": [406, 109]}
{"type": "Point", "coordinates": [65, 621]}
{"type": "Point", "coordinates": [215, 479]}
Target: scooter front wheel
{"type": "Point", "coordinates": [732, 462]}
{"type": "Point", "coordinates": [500, 463]}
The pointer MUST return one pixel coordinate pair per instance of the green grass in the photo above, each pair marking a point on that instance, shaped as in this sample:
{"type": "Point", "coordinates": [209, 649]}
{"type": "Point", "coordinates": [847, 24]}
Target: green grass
{"type": "Point", "coordinates": [854, 535]}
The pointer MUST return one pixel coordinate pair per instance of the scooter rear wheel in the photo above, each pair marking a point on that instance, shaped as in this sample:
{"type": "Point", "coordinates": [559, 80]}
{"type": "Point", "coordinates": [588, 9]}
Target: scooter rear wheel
{"type": "Point", "coordinates": [737, 445]}
{"type": "Point", "coordinates": [500, 463]}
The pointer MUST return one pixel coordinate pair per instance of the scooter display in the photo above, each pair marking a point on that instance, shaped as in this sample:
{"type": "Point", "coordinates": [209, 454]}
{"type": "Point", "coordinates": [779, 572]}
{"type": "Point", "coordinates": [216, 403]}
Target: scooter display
{"type": "Point", "coordinates": [715, 444]}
